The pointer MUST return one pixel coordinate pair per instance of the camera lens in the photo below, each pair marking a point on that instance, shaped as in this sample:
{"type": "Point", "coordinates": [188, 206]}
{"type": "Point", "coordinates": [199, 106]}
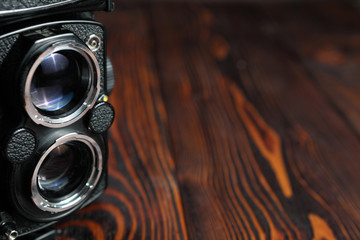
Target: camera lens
{"type": "Point", "coordinates": [67, 172]}
{"type": "Point", "coordinates": [60, 83]}
{"type": "Point", "coordinates": [64, 170]}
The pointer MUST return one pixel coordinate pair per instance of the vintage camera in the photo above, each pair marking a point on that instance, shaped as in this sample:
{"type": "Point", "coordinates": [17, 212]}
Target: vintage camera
{"type": "Point", "coordinates": [54, 114]}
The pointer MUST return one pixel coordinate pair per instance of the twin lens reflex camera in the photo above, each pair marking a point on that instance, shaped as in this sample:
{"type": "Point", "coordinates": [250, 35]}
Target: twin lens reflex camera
{"type": "Point", "coordinates": [54, 114]}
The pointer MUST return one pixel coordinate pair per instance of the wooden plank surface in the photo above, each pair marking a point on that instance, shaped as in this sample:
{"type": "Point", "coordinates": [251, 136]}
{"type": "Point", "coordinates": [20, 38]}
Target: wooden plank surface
{"type": "Point", "coordinates": [233, 122]}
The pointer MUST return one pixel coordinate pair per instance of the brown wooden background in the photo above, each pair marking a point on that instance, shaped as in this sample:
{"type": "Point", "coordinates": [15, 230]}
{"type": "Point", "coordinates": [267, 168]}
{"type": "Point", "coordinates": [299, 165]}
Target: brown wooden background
{"type": "Point", "coordinates": [234, 121]}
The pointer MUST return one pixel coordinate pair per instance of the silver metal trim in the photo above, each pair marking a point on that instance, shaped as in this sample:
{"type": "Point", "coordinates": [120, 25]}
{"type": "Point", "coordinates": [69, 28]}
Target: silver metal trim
{"type": "Point", "coordinates": [92, 94]}
{"type": "Point", "coordinates": [4, 13]}
{"type": "Point", "coordinates": [48, 24]}
{"type": "Point", "coordinates": [12, 234]}
{"type": "Point", "coordinates": [78, 197]}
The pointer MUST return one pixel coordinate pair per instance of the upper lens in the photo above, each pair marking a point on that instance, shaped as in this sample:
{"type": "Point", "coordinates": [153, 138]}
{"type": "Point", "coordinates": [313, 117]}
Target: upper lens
{"type": "Point", "coordinates": [60, 83]}
{"type": "Point", "coordinates": [64, 170]}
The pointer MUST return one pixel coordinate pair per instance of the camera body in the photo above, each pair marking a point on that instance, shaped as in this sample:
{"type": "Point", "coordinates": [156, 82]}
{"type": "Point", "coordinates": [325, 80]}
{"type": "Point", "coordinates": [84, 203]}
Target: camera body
{"type": "Point", "coordinates": [54, 114]}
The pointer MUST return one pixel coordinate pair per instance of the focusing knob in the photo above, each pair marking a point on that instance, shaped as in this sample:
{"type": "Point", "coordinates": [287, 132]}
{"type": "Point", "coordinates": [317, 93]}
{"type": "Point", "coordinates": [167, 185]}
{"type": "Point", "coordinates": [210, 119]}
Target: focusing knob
{"type": "Point", "coordinates": [109, 76]}
{"type": "Point", "coordinates": [101, 117]}
{"type": "Point", "coordinates": [20, 146]}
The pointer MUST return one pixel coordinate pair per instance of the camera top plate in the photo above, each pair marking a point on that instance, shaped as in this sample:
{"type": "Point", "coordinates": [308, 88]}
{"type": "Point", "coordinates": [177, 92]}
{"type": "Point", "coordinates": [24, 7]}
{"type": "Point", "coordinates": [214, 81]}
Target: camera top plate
{"type": "Point", "coordinates": [11, 10]}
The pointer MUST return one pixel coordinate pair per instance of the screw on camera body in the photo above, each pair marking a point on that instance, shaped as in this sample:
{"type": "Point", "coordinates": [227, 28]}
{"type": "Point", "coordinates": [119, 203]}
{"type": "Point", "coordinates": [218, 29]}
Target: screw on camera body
{"type": "Point", "coordinates": [94, 43]}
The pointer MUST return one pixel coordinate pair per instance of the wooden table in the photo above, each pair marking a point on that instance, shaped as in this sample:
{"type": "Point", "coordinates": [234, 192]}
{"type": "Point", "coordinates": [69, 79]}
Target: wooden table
{"type": "Point", "coordinates": [234, 121]}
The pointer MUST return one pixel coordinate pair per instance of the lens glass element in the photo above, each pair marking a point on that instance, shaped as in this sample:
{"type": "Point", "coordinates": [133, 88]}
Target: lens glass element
{"type": "Point", "coordinates": [60, 82]}
{"type": "Point", "coordinates": [64, 170]}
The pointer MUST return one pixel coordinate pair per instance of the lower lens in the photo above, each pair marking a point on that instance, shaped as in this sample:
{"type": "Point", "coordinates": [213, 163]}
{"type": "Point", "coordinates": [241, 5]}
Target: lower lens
{"type": "Point", "coordinates": [67, 173]}
{"type": "Point", "coordinates": [60, 82]}
{"type": "Point", "coordinates": [65, 169]}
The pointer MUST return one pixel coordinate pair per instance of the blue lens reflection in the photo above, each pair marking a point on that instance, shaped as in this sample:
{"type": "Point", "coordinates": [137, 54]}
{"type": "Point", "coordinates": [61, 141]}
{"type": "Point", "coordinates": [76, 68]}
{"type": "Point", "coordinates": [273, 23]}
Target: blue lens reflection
{"type": "Point", "coordinates": [54, 82]}
{"type": "Point", "coordinates": [64, 170]}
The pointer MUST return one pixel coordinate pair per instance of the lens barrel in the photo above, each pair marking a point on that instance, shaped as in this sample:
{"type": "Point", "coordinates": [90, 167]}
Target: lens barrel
{"type": "Point", "coordinates": [66, 173]}
{"type": "Point", "coordinates": [62, 84]}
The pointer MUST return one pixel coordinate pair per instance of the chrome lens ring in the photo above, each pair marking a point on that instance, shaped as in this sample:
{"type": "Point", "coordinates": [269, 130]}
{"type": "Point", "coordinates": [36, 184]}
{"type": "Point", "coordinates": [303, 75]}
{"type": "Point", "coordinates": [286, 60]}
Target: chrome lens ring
{"type": "Point", "coordinates": [78, 194]}
{"type": "Point", "coordinates": [90, 94]}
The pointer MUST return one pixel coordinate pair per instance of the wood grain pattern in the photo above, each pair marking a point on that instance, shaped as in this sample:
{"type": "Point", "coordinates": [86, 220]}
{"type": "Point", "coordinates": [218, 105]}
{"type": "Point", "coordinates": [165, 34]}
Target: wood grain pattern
{"type": "Point", "coordinates": [233, 122]}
